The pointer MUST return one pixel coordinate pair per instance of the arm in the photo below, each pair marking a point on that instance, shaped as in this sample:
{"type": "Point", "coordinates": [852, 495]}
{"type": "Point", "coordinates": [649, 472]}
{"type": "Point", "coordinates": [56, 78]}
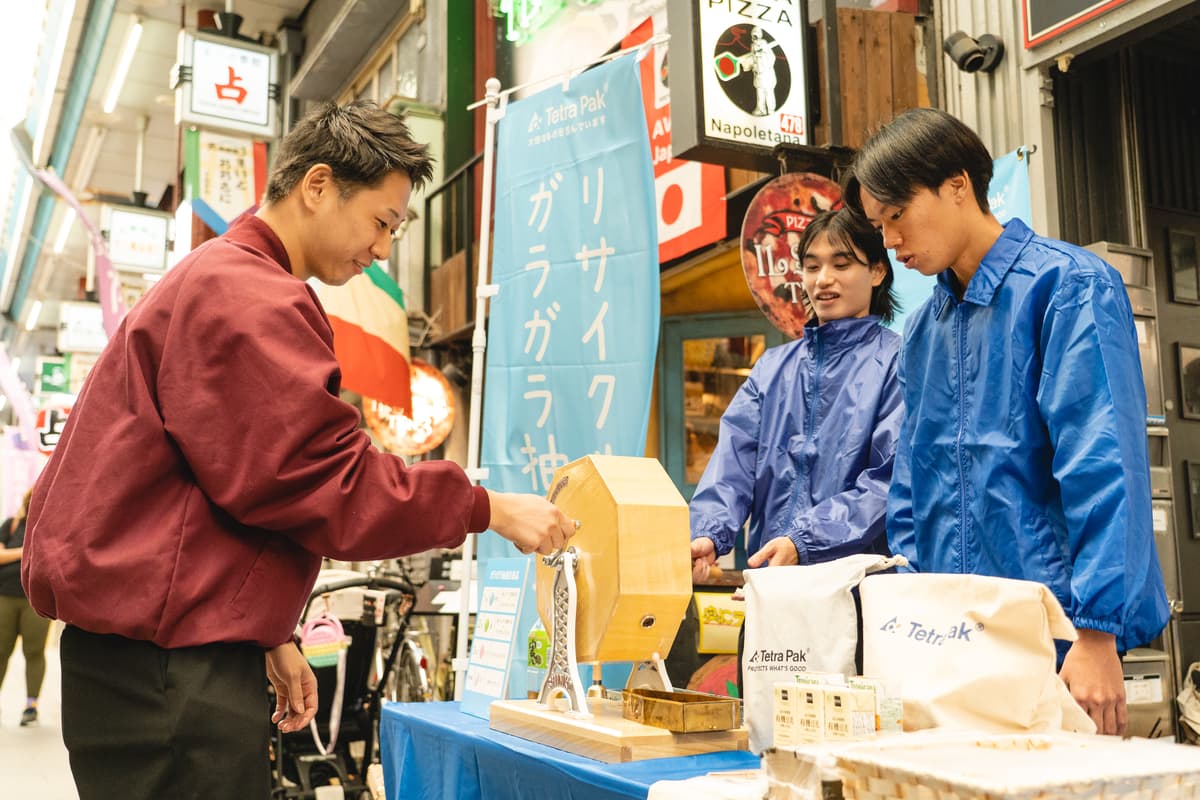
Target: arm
{"type": "Point", "coordinates": [247, 390]}
{"type": "Point", "coordinates": [723, 497]}
{"type": "Point", "coordinates": [1093, 402]}
{"type": "Point", "coordinates": [849, 522]}
{"type": "Point", "coordinates": [11, 554]}
{"type": "Point", "coordinates": [901, 535]}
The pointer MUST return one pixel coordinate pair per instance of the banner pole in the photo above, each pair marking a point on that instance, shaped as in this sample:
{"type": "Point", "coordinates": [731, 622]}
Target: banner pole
{"type": "Point", "coordinates": [483, 290]}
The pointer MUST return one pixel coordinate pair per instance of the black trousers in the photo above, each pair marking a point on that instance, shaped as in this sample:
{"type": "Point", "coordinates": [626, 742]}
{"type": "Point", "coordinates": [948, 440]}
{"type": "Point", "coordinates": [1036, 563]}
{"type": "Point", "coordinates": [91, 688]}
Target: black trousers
{"type": "Point", "coordinates": [140, 721]}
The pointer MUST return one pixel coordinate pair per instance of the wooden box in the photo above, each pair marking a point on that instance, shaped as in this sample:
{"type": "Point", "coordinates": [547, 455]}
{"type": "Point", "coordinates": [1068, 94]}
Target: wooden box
{"type": "Point", "coordinates": [681, 711]}
{"type": "Point", "coordinates": [635, 571]}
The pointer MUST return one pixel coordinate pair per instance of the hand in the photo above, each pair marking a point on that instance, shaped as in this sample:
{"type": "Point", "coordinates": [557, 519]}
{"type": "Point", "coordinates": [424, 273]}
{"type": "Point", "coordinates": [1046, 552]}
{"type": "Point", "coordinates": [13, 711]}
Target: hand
{"type": "Point", "coordinates": [530, 522]}
{"type": "Point", "coordinates": [1092, 671]}
{"type": "Point", "coordinates": [704, 556]}
{"type": "Point", "coordinates": [295, 687]}
{"type": "Point", "coordinates": [779, 552]}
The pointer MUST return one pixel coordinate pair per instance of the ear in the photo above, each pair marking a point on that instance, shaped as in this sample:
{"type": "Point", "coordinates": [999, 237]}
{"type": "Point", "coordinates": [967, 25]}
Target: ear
{"type": "Point", "coordinates": [960, 187]}
{"type": "Point", "coordinates": [878, 273]}
{"type": "Point", "coordinates": [317, 186]}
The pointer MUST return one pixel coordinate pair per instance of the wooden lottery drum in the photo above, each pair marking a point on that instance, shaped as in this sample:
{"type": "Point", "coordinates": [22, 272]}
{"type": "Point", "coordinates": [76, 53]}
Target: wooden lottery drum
{"type": "Point", "coordinates": [634, 576]}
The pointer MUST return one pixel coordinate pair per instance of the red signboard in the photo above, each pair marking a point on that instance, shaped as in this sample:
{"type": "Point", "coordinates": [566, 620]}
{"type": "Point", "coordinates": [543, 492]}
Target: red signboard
{"type": "Point", "coordinates": [777, 216]}
{"type": "Point", "coordinates": [691, 195]}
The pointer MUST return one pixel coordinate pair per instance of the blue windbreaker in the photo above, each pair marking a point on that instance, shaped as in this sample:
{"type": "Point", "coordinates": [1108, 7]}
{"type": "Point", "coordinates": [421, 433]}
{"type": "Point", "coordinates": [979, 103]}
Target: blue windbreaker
{"type": "Point", "coordinates": [806, 446]}
{"type": "Point", "coordinates": [1024, 454]}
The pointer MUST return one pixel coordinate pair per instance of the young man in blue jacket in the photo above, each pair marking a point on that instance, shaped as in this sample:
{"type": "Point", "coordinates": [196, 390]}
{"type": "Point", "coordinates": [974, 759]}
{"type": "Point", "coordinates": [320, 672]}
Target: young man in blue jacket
{"type": "Point", "coordinates": [1023, 450]}
{"type": "Point", "coordinates": [806, 445]}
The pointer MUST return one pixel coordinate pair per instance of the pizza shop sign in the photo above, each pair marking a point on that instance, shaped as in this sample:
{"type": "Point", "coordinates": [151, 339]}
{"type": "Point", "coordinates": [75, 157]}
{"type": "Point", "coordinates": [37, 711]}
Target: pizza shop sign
{"type": "Point", "coordinates": [746, 90]}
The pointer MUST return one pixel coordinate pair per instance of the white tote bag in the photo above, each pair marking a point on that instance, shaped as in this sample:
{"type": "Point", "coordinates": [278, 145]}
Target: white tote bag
{"type": "Point", "coordinates": [970, 651]}
{"type": "Point", "coordinates": [798, 619]}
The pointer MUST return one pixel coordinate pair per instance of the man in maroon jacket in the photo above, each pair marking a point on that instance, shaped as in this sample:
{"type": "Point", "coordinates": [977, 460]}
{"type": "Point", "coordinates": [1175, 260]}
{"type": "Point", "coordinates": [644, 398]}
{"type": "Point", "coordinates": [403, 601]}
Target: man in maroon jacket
{"type": "Point", "coordinates": [207, 467]}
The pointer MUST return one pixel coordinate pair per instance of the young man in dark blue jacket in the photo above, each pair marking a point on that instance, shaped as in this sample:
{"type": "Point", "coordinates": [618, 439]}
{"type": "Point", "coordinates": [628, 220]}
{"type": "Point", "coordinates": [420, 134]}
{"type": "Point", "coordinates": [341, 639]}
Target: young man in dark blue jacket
{"type": "Point", "coordinates": [1023, 452]}
{"type": "Point", "coordinates": [806, 446]}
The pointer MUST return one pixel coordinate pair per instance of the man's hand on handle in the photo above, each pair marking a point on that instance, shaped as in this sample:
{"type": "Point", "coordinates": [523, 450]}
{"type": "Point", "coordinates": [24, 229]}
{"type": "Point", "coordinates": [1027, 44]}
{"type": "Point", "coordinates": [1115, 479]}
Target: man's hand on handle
{"type": "Point", "coordinates": [532, 523]}
{"type": "Point", "coordinates": [1092, 671]}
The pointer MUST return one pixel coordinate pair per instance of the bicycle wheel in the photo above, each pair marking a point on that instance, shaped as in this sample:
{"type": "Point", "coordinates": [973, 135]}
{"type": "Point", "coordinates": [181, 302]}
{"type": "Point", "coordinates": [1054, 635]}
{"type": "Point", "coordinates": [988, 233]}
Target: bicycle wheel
{"type": "Point", "coordinates": [409, 682]}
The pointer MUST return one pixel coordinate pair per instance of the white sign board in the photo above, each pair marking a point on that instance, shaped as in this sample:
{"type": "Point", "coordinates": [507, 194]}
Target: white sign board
{"type": "Point", "coordinates": [80, 328]}
{"type": "Point", "coordinates": [137, 238]}
{"type": "Point", "coordinates": [753, 74]}
{"type": "Point", "coordinates": [223, 83]}
{"type": "Point", "coordinates": [738, 80]}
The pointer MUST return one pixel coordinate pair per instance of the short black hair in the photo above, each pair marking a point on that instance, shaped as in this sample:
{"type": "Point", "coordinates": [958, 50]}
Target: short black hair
{"type": "Point", "coordinates": [920, 149]}
{"type": "Point", "coordinates": [360, 142]}
{"type": "Point", "coordinates": [846, 229]}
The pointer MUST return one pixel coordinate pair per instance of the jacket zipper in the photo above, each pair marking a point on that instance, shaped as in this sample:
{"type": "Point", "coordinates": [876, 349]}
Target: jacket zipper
{"type": "Point", "coordinates": [811, 423]}
{"type": "Point", "coordinates": [960, 324]}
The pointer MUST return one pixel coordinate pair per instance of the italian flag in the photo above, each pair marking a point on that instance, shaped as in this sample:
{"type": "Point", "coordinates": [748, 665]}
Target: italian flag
{"type": "Point", "coordinates": [370, 336]}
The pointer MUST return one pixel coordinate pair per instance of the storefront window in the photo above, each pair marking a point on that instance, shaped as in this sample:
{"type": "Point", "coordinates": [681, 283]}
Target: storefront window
{"type": "Point", "coordinates": [713, 370]}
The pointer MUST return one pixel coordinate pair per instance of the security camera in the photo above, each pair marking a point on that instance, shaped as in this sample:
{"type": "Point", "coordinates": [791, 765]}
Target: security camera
{"type": "Point", "coordinates": [974, 55]}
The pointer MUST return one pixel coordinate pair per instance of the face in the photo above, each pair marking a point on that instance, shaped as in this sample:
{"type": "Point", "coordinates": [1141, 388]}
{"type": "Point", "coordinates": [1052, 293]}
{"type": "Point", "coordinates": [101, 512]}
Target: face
{"type": "Point", "coordinates": [838, 281]}
{"type": "Point", "coordinates": [926, 232]}
{"type": "Point", "coordinates": [348, 233]}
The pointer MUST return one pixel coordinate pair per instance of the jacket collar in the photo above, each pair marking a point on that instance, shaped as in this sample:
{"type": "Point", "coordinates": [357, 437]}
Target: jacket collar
{"type": "Point", "coordinates": [992, 270]}
{"type": "Point", "coordinates": [840, 333]}
{"type": "Point", "coordinates": [251, 231]}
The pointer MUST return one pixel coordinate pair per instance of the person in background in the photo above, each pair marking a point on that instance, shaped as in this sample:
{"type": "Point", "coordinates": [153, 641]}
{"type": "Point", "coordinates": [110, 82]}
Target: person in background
{"type": "Point", "coordinates": [17, 617]}
{"type": "Point", "coordinates": [806, 445]}
{"type": "Point", "coordinates": [1023, 452]}
{"type": "Point", "coordinates": [209, 464]}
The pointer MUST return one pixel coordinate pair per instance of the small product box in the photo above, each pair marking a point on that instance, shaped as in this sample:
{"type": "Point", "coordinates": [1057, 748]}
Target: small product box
{"type": "Point", "coordinates": [889, 707]}
{"type": "Point", "coordinates": [810, 713]}
{"type": "Point", "coordinates": [849, 713]}
{"type": "Point", "coordinates": [786, 711]}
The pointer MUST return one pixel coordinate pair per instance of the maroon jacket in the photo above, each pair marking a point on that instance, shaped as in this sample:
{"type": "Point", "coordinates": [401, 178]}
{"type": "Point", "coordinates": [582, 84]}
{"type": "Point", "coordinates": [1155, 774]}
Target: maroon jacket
{"type": "Point", "coordinates": [208, 465]}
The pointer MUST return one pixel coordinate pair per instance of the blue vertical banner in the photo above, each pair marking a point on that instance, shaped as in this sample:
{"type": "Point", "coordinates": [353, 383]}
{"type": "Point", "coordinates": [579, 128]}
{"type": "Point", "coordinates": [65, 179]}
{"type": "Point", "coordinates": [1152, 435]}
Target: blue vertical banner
{"type": "Point", "coordinates": [1008, 197]}
{"type": "Point", "coordinates": [573, 331]}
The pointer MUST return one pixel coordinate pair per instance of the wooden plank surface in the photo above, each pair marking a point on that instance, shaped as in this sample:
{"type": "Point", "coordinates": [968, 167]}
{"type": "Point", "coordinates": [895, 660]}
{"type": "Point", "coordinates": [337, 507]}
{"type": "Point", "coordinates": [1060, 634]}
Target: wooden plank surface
{"type": "Point", "coordinates": [878, 70]}
{"type": "Point", "coordinates": [904, 62]}
{"type": "Point", "coordinates": [608, 736]}
{"type": "Point", "coordinates": [852, 58]}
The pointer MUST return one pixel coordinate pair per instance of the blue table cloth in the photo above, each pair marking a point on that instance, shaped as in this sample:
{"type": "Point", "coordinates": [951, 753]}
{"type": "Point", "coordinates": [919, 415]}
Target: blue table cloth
{"type": "Point", "coordinates": [434, 751]}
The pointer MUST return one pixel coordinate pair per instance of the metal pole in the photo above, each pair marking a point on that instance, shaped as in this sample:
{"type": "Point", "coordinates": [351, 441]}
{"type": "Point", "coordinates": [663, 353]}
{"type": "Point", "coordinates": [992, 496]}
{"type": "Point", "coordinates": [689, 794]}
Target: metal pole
{"type": "Point", "coordinates": [833, 72]}
{"type": "Point", "coordinates": [483, 290]}
{"type": "Point", "coordinates": [140, 159]}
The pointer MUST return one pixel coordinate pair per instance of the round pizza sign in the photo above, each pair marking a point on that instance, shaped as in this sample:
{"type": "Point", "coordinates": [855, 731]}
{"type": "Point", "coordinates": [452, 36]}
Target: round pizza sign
{"type": "Point", "coordinates": [771, 230]}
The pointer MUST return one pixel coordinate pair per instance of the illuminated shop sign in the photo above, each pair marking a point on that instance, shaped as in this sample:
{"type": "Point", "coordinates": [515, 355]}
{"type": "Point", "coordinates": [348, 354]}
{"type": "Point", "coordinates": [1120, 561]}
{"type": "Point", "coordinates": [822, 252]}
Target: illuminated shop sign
{"type": "Point", "coordinates": [743, 86]}
{"type": "Point", "coordinates": [524, 18]}
{"type": "Point", "coordinates": [224, 83]}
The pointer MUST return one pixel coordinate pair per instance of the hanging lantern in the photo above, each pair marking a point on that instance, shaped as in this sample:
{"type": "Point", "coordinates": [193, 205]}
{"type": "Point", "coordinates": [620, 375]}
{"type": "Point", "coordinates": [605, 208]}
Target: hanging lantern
{"type": "Point", "coordinates": [432, 414]}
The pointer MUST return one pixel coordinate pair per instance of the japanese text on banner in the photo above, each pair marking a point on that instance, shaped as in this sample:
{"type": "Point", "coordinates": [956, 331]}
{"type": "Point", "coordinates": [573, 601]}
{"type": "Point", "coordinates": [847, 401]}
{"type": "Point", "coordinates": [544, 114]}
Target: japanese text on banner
{"type": "Point", "coordinates": [573, 331]}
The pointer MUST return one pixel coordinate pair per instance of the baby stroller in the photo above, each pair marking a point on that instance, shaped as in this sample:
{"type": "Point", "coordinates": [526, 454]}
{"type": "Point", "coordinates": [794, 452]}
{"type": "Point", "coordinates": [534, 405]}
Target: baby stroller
{"type": "Point", "coordinates": [381, 660]}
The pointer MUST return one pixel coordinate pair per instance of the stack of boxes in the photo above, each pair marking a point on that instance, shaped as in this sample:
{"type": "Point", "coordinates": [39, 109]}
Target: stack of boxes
{"type": "Point", "coordinates": [825, 706]}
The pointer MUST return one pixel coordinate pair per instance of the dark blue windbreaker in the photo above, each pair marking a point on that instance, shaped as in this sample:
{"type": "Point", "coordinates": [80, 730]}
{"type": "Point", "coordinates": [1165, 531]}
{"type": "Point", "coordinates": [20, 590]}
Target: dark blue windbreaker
{"type": "Point", "coordinates": [806, 446]}
{"type": "Point", "coordinates": [1024, 454]}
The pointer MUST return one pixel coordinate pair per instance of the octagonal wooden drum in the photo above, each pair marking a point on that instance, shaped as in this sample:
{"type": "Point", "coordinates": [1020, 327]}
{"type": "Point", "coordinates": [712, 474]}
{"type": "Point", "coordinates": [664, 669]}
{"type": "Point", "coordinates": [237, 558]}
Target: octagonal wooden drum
{"type": "Point", "coordinates": [634, 577]}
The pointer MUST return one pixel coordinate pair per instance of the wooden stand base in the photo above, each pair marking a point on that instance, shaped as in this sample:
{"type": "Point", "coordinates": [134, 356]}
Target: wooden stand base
{"type": "Point", "coordinates": [607, 736]}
